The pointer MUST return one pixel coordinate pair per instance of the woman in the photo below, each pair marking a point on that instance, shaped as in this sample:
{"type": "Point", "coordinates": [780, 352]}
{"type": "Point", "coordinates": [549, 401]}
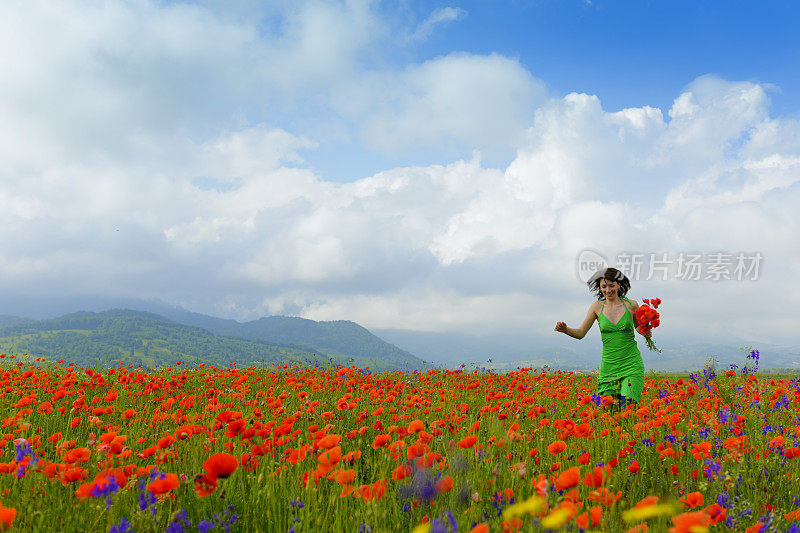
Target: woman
{"type": "Point", "coordinates": [621, 366]}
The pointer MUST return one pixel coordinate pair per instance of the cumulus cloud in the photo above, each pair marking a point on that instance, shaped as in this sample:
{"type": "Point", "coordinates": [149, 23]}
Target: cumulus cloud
{"type": "Point", "coordinates": [137, 161]}
{"type": "Point", "coordinates": [437, 17]}
{"type": "Point", "coordinates": [459, 99]}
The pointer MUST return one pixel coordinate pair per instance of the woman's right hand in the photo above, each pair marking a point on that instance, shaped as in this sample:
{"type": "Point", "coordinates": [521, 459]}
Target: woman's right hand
{"type": "Point", "coordinates": [561, 326]}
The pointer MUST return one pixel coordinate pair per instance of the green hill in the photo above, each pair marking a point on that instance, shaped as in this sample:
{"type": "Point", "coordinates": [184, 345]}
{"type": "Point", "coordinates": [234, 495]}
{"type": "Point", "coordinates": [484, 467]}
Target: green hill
{"type": "Point", "coordinates": [146, 339]}
{"type": "Point", "coordinates": [340, 337]}
{"type": "Point", "coordinates": [9, 320]}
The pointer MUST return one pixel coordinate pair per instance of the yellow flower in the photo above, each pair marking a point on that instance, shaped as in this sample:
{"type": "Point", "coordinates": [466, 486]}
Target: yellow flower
{"type": "Point", "coordinates": [422, 528]}
{"type": "Point", "coordinates": [531, 505]}
{"type": "Point", "coordinates": [648, 511]}
{"type": "Point", "coordinates": [556, 519]}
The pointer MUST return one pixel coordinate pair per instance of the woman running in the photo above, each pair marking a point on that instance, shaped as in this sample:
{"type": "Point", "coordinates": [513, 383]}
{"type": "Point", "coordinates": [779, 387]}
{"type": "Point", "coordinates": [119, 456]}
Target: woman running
{"type": "Point", "coordinates": [621, 366]}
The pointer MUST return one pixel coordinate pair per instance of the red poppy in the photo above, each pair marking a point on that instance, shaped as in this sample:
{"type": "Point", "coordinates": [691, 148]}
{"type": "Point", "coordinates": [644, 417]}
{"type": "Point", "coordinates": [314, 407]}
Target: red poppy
{"type": "Point", "coordinates": [380, 441]}
{"type": "Point", "coordinates": [204, 485]}
{"type": "Point", "coordinates": [220, 465]}
{"type": "Point", "coordinates": [7, 515]}
{"type": "Point", "coordinates": [444, 485]}
{"type": "Point", "coordinates": [693, 499]}
{"type": "Point", "coordinates": [557, 447]}
{"type": "Point", "coordinates": [468, 441]}
{"type": "Point", "coordinates": [568, 478]}
{"type": "Point", "coordinates": [401, 472]}
{"type": "Point", "coordinates": [164, 484]}
{"type": "Point", "coordinates": [690, 522]}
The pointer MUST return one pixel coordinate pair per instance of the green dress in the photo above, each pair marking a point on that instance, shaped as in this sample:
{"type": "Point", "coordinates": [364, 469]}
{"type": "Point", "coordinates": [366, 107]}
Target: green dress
{"type": "Point", "coordinates": [621, 365]}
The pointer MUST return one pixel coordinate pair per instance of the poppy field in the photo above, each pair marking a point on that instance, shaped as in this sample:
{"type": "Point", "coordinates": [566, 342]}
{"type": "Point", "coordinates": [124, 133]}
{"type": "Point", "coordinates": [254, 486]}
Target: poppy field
{"type": "Point", "coordinates": [294, 449]}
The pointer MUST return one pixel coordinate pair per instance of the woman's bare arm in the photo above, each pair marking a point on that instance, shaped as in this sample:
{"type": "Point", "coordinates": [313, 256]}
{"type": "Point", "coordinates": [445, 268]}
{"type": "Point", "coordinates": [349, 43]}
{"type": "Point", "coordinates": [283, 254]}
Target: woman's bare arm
{"type": "Point", "coordinates": [581, 331]}
{"type": "Point", "coordinates": [634, 307]}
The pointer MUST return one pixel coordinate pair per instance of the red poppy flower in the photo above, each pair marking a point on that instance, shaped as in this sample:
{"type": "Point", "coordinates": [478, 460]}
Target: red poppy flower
{"type": "Point", "coordinates": [7, 515]}
{"type": "Point", "coordinates": [164, 484]}
{"type": "Point", "coordinates": [444, 485]}
{"type": "Point", "coordinates": [204, 485]}
{"type": "Point", "coordinates": [557, 447]}
{"type": "Point", "coordinates": [220, 465]}
{"type": "Point", "coordinates": [693, 499]}
{"type": "Point", "coordinates": [380, 441]}
{"type": "Point", "coordinates": [468, 441]}
{"type": "Point", "coordinates": [568, 478]}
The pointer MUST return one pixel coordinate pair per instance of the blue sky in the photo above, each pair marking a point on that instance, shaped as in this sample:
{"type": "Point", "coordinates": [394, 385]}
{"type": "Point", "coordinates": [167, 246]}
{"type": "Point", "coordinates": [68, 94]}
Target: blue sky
{"type": "Point", "coordinates": [416, 165]}
{"type": "Point", "coordinates": [633, 53]}
{"type": "Point", "coordinates": [628, 53]}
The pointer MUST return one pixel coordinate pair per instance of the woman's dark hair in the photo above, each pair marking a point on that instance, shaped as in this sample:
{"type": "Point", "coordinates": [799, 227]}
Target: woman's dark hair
{"type": "Point", "coordinates": [610, 274]}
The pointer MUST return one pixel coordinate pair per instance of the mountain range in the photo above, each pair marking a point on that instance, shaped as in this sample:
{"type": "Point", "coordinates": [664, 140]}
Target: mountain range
{"type": "Point", "coordinates": [147, 339]}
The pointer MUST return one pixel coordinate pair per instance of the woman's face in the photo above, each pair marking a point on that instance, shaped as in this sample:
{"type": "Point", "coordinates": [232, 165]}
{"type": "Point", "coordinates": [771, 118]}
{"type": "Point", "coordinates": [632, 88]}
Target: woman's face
{"type": "Point", "coordinates": [608, 288]}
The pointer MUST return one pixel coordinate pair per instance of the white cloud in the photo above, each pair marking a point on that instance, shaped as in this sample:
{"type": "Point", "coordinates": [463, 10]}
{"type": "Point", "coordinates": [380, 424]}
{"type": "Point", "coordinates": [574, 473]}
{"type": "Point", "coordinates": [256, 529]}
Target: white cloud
{"type": "Point", "coordinates": [459, 99]}
{"type": "Point", "coordinates": [136, 160]}
{"type": "Point", "coordinates": [437, 17]}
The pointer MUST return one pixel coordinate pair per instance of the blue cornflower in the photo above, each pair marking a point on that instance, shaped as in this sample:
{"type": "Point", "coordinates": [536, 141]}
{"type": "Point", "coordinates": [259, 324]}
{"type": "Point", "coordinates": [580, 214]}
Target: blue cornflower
{"type": "Point", "coordinates": [122, 527]}
{"type": "Point", "coordinates": [105, 489]}
{"type": "Point", "coordinates": [782, 403]}
{"type": "Point", "coordinates": [23, 451]}
{"type": "Point", "coordinates": [711, 468]}
{"type": "Point", "coordinates": [146, 499]}
{"type": "Point", "coordinates": [437, 526]}
{"type": "Point", "coordinates": [174, 527]}
{"type": "Point", "coordinates": [452, 520]}
{"type": "Point", "coordinates": [205, 525]}
{"type": "Point", "coordinates": [724, 500]}
{"type": "Point", "coordinates": [426, 491]}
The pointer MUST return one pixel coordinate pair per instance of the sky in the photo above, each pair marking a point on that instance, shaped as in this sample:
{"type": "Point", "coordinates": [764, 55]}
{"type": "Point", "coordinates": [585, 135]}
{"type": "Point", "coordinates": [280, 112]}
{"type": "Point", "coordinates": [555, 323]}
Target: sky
{"type": "Point", "coordinates": [434, 166]}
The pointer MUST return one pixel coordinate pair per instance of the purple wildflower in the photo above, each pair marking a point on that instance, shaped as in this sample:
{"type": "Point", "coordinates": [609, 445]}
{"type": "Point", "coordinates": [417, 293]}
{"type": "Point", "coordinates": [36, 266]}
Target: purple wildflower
{"type": "Point", "coordinates": [205, 525]}
{"type": "Point", "coordinates": [122, 527]}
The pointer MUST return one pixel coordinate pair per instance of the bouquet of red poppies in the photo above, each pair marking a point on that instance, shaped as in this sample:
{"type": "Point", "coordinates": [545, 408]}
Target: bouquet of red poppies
{"type": "Point", "coordinates": [648, 318]}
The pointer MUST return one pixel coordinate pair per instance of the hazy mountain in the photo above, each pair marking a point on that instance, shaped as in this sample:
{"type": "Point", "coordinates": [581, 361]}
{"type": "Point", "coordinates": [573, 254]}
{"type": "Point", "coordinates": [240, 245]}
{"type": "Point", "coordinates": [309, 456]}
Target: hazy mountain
{"type": "Point", "coordinates": [336, 337]}
{"type": "Point", "coordinates": [10, 320]}
{"type": "Point", "coordinates": [146, 339]}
